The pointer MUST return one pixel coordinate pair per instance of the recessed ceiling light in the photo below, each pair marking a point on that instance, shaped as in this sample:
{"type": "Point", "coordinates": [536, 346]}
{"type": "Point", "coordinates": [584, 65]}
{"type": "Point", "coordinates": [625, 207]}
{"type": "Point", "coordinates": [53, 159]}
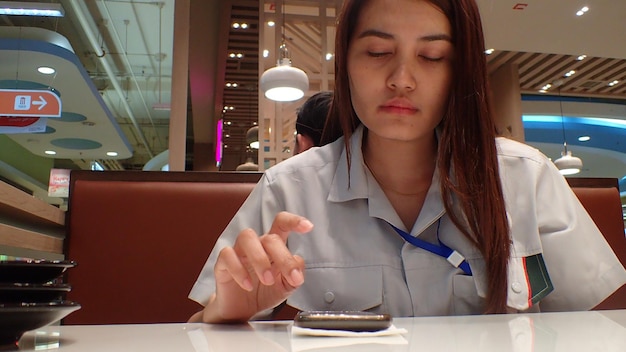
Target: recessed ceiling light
{"type": "Point", "coordinates": [111, 153]}
{"type": "Point", "coordinates": [489, 51]}
{"type": "Point", "coordinates": [584, 138]}
{"type": "Point", "coordinates": [266, 53]}
{"type": "Point", "coordinates": [570, 73]}
{"type": "Point", "coordinates": [50, 152]}
{"type": "Point", "coordinates": [582, 11]}
{"type": "Point", "coordinates": [271, 23]}
{"type": "Point", "coordinates": [46, 70]}
{"type": "Point", "coordinates": [581, 57]}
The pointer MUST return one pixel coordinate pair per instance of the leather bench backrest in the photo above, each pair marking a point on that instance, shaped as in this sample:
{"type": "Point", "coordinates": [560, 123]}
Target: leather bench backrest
{"type": "Point", "coordinates": [601, 199]}
{"type": "Point", "coordinates": [141, 238]}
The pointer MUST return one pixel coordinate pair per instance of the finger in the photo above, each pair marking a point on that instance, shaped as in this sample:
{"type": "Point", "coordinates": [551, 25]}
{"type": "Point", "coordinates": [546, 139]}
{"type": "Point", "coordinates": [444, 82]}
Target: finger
{"type": "Point", "coordinates": [284, 223]}
{"type": "Point", "coordinates": [249, 248]}
{"type": "Point", "coordinates": [229, 267]}
{"type": "Point", "coordinates": [283, 262]}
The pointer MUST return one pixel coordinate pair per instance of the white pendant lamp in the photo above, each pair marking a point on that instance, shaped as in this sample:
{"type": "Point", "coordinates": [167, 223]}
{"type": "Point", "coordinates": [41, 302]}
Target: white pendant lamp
{"type": "Point", "coordinates": [284, 82]}
{"type": "Point", "coordinates": [252, 137]}
{"type": "Point", "coordinates": [567, 163]}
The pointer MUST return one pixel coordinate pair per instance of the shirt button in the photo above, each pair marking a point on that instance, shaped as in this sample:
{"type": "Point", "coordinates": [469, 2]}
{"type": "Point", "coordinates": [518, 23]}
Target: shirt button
{"type": "Point", "coordinates": [329, 297]}
{"type": "Point", "coordinates": [517, 287]}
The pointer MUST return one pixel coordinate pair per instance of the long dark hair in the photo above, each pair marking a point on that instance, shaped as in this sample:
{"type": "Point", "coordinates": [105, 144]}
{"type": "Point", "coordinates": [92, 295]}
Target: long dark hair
{"type": "Point", "coordinates": [467, 158]}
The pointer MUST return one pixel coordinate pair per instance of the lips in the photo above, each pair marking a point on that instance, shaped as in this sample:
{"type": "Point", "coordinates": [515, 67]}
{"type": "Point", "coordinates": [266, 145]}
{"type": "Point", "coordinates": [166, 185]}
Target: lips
{"type": "Point", "coordinates": [399, 106]}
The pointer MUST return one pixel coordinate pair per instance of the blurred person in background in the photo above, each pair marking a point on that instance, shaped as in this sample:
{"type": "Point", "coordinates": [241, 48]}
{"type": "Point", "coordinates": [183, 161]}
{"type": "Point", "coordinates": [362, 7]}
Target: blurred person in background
{"type": "Point", "coordinates": [310, 120]}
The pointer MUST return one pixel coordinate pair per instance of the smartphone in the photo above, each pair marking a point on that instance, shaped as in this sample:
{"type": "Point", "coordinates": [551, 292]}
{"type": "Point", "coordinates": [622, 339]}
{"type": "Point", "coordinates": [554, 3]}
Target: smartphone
{"type": "Point", "coordinates": [343, 320]}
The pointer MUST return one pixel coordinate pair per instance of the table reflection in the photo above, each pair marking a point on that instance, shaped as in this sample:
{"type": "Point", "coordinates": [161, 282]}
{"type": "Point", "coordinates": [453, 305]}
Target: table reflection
{"type": "Point", "coordinates": [574, 331]}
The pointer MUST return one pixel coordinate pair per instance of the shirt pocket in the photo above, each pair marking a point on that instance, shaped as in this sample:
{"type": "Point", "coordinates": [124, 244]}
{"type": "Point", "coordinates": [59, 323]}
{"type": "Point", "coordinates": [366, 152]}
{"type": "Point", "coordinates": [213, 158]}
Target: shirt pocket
{"type": "Point", "coordinates": [466, 299]}
{"type": "Point", "coordinates": [339, 288]}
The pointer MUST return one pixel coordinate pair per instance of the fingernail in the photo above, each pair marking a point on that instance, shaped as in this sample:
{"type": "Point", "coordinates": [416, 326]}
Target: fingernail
{"type": "Point", "coordinates": [296, 277]}
{"type": "Point", "coordinates": [247, 285]}
{"type": "Point", "coordinates": [268, 278]}
{"type": "Point", "coordinates": [306, 222]}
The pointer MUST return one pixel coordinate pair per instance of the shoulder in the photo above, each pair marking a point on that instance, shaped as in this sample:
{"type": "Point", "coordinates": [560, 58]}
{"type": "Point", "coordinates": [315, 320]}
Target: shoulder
{"type": "Point", "coordinates": [516, 158]}
{"type": "Point", "coordinates": [311, 163]}
{"type": "Point", "coordinates": [508, 148]}
{"type": "Point", "coordinates": [519, 157]}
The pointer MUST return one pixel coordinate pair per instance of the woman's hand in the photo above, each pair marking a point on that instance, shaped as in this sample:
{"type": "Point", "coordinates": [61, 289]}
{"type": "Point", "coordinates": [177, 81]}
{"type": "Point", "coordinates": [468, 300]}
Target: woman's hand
{"type": "Point", "coordinates": [257, 273]}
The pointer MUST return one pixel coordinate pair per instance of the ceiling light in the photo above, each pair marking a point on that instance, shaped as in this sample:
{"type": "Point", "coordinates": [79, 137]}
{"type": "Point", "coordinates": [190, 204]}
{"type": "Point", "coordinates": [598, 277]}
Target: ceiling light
{"type": "Point", "coordinates": [20, 8]}
{"type": "Point", "coordinates": [568, 164]}
{"type": "Point", "coordinates": [46, 70]}
{"type": "Point", "coordinates": [284, 82]}
{"type": "Point", "coordinates": [614, 83]}
{"type": "Point", "coordinates": [252, 137]}
{"type": "Point", "coordinates": [584, 138]}
{"type": "Point", "coordinates": [50, 152]}
{"type": "Point", "coordinates": [582, 11]}
{"type": "Point", "coordinates": [271, 23]}
{"type": "Point", "coordinates": [162, 107]}
{"type": "Point", "coordinates": [111, 153]}
{"type": "Point", "coordinates": [249, 165]}
{"type": "Point", "coordinates": [489, 51]}
{"type": "Point", "coordinates": [581, 57]}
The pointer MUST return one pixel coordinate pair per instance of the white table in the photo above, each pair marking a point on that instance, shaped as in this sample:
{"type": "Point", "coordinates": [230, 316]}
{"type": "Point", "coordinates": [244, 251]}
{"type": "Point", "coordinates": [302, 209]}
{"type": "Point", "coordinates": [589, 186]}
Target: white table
{"type": "Point", "coordinates": [573, 331]}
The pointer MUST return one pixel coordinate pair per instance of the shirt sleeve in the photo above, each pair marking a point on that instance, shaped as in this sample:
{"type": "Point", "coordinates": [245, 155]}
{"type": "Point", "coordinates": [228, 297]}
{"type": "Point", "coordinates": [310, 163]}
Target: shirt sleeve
{"type": "Point", "coordinates": [257, 213]}
{"type": "Point", "coordinates": [582, 266]}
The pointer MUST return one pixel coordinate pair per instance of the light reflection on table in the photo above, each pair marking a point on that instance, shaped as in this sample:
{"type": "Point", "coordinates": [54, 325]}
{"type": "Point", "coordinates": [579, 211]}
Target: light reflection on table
{"type": "Point", "coordinates": [575, 331]}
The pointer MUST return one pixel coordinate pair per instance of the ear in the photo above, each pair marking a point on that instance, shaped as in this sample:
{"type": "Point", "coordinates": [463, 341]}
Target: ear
{"type": "Point", "coordinates": [303, 143]}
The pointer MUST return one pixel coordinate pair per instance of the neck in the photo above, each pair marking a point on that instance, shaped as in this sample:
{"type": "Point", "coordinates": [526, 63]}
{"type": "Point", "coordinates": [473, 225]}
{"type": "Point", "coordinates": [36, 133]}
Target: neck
{"type": "Point", "coordinates": [405, 168]}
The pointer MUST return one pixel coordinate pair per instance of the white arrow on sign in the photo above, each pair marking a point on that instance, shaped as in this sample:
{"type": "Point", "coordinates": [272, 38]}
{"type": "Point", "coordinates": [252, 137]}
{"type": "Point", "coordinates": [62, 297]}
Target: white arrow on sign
{"type": "Point", "coordinates": [41, 102]}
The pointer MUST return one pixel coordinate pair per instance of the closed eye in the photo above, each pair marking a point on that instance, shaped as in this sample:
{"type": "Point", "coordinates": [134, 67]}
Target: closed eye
{"type": "Point", "coordinates": [377, 54]}
{"type": "Point", "coordinates": [432, 59]}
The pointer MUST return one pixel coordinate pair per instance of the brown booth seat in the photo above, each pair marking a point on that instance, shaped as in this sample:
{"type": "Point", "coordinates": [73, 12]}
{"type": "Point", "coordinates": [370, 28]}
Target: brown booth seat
{"type": "Point", "coordinates": [141, 238]}
{"type": "Point", "coordinates": [601, 199]}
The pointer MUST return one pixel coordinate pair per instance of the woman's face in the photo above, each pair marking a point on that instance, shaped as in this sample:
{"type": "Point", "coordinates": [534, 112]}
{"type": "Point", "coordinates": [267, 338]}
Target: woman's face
{"type": "Point", "coordinates": [400, 68]}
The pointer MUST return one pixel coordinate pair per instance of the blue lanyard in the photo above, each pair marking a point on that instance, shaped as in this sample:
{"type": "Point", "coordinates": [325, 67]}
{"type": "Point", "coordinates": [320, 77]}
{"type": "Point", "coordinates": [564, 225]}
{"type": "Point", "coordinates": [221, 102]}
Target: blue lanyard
{"type": "Point", "coordinates": [453, 257]}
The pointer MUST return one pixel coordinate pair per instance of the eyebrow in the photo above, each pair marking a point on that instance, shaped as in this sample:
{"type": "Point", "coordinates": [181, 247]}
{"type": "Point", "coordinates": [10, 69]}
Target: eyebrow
{"type": "Point", "coordinates": [384, 35]}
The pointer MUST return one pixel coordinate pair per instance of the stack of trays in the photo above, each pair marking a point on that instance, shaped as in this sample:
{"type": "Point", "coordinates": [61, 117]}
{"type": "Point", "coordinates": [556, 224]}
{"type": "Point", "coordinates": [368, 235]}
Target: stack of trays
{"type": "Point", "coordinates": [31, 296]}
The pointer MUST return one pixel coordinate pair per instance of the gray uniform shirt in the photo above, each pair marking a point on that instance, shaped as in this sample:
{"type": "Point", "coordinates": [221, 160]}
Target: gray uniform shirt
{"type": "Point", "coordinates": [356, 261]}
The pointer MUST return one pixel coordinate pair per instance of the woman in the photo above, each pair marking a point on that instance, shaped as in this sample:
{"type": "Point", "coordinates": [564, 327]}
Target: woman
{"type": "Point", "coordinates": [419, 209]}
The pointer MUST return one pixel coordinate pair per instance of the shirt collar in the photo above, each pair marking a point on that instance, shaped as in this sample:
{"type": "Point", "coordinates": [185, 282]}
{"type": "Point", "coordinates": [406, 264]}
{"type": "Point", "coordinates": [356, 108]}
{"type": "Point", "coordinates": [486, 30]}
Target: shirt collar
{"type": "Point", "coordinates": [360, 184]}
{"type": "Point", "coordinates": [353, 184]}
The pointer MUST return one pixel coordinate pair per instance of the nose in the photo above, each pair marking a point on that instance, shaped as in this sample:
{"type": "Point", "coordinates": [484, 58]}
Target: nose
{"type": "Point", "coordinates": [402, 77]}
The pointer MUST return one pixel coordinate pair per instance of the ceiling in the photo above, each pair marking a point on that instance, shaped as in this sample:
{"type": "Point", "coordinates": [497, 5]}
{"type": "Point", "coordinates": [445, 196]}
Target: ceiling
{"type": "Point", "coordinates": [119, 76]}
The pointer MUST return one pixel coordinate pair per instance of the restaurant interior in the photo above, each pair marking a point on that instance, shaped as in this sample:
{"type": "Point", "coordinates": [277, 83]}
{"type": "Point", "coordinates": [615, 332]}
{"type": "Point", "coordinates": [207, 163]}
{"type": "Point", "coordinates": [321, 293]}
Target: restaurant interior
{"type": "Point", "coordinates": [119, 107]}
{"type": "Point", "coordinates": [176, 88]}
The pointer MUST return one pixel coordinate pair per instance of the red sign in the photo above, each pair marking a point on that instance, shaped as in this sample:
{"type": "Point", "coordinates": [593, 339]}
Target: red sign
{"type": "Point", "coordinates": [29, 103]}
